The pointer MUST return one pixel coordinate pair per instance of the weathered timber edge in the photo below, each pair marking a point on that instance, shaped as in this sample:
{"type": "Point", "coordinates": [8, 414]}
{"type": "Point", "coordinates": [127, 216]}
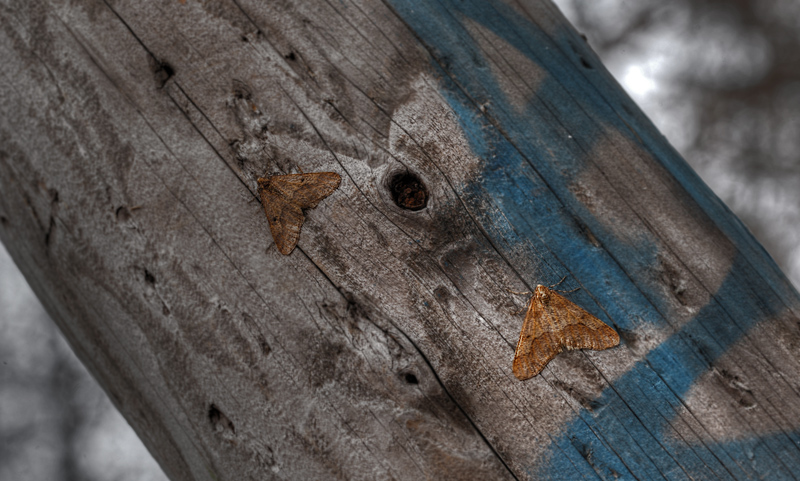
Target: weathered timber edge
{"type": "Point", "coordinates": [131, 138]}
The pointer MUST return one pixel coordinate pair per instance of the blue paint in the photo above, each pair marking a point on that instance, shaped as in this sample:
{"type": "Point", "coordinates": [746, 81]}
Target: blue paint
{"type": "Point", "coordinates": [666, 374]}
{"type": "Point", "coordinates": [628, 432]}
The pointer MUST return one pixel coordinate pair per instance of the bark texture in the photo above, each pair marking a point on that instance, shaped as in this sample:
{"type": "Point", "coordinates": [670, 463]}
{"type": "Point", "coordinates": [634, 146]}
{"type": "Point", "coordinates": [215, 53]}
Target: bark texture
{"type": "Point", "coordinates": [482, 148]}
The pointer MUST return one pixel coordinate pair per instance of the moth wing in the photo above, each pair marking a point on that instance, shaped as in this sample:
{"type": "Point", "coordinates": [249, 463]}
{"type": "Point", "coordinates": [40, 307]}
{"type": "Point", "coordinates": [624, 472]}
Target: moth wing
{"type": "Point", "coordinates": [533, 354]}
{"type": "Point", "coordinates": [315, 187]}
{"type": "Point", "coordinates": [536, 346]}
{"type": "Point", "coordinates": [285, 219]}
{"type": "Point", "coordinates": [579, 329]}
{"type": "Point", "coordinates": [305, 190]}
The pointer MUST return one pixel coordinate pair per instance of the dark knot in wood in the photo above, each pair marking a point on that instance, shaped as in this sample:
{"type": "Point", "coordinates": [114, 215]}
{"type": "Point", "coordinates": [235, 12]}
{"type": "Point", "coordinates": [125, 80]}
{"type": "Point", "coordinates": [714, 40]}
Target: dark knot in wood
{"type": "Point", "coordinates": [408, 191]}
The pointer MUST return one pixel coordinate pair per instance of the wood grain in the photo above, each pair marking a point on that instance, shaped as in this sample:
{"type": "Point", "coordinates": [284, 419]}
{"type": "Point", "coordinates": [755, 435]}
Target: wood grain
{"type": "Point", "coordinates": [131, 139]}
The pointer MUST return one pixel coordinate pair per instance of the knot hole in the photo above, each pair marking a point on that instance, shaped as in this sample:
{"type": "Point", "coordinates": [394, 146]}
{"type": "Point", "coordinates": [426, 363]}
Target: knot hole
{"type": "Point", "coordinates": [408, 191]}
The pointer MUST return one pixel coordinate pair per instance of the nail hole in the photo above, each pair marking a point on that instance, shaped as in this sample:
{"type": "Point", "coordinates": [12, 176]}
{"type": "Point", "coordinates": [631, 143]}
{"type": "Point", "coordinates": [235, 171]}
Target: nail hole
{"type": "Point", "coordinates": [50, 229]}
{"type": "Point", "coordinates": [163, 72]}
{"type": "Point", "coordinates": [672, 277]}
{"type": "Point", "coordinates": [241, 91]}
{"type": "Point", "coordinates": [149, 278]}
{"type": "Point", "coordinates": [408, 191]}
{"type": "Point", "coordinates": [586, 64]}
{"type": "Point", "coordinates": [410, 378]}
{"type": "Point", "coordinates": [262, 343]}
{"type": "Point", "coordinates": [291, 56]}
{"type": "Point", "coordinates": [219, 420]}
{"type": "Point", "coordinates": [123, 214]}
{"type": "Point", "coordinates": [167, 68]}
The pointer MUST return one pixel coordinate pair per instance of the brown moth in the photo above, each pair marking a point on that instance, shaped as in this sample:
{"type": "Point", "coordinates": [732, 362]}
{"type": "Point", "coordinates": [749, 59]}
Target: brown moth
{"type": "Point", "coordinates": [554, 324]}
{"type": "Point", "coordinates": [285, 196]}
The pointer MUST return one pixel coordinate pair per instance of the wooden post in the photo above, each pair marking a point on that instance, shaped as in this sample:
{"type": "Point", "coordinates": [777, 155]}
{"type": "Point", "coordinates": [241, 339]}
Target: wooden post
{"type": "Point", "coordinates": [132, 136]}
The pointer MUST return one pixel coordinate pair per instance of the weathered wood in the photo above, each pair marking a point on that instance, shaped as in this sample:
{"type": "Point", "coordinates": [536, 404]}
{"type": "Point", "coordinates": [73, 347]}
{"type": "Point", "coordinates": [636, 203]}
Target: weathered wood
{"type": "Point", "coordinates": [131, 139]}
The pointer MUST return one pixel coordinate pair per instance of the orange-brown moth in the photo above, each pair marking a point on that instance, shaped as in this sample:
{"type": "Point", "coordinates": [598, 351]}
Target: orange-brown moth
{"type": "Point", "coordinates": [554, 324]}
{"type": "Point", "coordinates": [285, 196]}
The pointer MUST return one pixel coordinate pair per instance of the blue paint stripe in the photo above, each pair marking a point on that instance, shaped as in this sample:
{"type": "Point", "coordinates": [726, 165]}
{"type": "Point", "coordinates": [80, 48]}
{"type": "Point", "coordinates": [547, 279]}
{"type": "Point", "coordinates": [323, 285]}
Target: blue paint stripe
{"type": "Point", "coordinates": [678, 368]}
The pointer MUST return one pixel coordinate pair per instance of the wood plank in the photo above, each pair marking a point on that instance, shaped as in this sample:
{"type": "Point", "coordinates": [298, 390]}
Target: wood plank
{"type": "Point", "coordinates": [132, 138]}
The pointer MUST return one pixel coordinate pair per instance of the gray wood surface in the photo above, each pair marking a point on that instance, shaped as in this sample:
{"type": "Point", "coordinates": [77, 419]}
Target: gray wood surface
{"type": "Point", "coordinates": [132, 135]}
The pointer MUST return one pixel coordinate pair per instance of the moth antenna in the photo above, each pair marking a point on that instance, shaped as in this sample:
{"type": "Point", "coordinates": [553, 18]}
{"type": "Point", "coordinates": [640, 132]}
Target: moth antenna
{"type": "Point", "coordinates": [567, 292]}
{"type": "Point", "coordinates": [520, 293]}
{"type": "Point", "coordinates": [564, 292]}
{"type": "Point", "coordinates": [515, 313]}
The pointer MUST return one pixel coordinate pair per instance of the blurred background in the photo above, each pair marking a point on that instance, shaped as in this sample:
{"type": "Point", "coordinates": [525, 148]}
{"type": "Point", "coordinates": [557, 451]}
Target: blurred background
{"type": "Point", "coordinates": [719, 78]}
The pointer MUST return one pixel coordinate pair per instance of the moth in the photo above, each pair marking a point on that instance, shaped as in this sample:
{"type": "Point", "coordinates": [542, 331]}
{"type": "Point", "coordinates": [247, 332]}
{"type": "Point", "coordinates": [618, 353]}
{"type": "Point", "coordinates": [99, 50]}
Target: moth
{"type": "Point", "coordinates": [554, 324]}
{"type": "Point", "coordinates": [285, 196]}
